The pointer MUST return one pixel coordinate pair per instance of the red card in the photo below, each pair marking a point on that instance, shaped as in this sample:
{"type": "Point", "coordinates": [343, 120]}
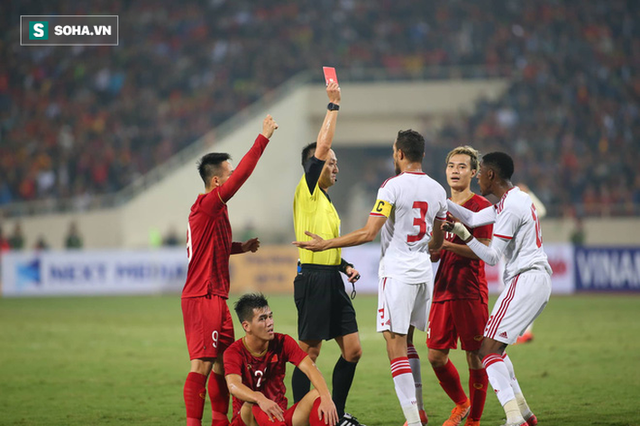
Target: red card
{"type": "Point", "coordinates": [330, 74]}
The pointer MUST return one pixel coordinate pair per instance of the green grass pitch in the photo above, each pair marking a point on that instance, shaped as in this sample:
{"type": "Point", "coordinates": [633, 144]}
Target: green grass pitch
{"type": "Point", "coordinates": [123, 361]}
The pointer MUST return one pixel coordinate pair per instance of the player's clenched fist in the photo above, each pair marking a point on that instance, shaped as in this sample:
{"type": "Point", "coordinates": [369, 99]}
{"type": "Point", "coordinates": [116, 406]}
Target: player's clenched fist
{"type": "Point", "coordinates": [268, 126]}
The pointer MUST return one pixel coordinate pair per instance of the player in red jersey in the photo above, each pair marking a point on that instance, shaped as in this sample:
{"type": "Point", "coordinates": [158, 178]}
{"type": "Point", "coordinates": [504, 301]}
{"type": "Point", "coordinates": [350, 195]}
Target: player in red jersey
{"type": "Point", "coordinates": [207, 321]}
{"type": "Point", "coordinates": [255, 367]}
{"type": "Point", "coordinates": [460, 298]}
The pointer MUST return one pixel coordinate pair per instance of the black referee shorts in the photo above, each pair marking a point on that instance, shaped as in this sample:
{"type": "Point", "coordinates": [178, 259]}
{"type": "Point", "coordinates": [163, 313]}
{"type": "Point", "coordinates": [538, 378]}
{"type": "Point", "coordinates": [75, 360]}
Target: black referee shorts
{"type": "Point", "coordinates": [324, 309]}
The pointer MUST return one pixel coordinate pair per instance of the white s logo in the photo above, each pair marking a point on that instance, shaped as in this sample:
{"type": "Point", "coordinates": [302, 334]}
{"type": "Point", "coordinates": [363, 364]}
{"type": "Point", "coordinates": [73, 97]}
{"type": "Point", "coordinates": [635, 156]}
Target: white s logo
{"type": "Point", "coordinates": [38, 30]}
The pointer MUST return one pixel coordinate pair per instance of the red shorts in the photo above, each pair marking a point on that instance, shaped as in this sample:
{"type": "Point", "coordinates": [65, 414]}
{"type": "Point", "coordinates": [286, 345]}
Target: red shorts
{"type": "Point", "coordinates": [207, 325]}
{"type": "Point", "coordinates": [263, 419]}
{"type": "Point", "coordinates": [453, 319]}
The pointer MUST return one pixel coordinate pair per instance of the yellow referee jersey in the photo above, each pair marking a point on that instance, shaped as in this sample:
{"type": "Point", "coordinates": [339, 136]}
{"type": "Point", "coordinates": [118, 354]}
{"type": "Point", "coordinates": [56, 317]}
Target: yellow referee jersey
{"type": "Point", "coordinates": [316, 214]}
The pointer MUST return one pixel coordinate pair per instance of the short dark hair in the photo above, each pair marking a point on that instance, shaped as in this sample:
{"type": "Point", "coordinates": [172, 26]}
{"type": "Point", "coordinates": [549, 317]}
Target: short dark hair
{"type": "Point", "coordinates": [308, 152]}
{"type": "Point", "coordinates": [411, 143]}
{"type": "Point", "coordinates": [209, 165]}
{"type": "Point", "coordinates": [247, 303]}
{"type": "Point", "coordinates": [501, 162]}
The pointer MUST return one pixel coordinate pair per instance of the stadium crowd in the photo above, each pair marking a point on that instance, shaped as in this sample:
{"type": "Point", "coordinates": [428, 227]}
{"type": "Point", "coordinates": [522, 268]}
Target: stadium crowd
{"type": "Point", "coordinates": [81, 121]}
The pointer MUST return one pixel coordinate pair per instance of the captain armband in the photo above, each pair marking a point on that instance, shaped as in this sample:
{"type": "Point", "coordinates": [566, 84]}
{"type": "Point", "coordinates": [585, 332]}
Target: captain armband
{"type": "Point", "coordinates": [382, 208]}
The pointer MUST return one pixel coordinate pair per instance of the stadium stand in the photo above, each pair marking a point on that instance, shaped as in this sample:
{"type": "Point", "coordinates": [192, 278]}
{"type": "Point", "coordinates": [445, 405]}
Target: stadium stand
{"type": "Point", "coordinates": [79, 122]}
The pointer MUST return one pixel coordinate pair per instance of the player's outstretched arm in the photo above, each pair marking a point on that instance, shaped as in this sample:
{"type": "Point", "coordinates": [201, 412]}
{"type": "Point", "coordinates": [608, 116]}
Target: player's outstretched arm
{"type": "Point", "coordinates": [491, 255]}
{"type": "Point", "coordinates": [472, 219]}
{"type": "Point", "coordinates": [327, 408]}
{"type": "Point", "coordinates": [355, 238]}
{"type": "Point", "coordinates": [242, 392]}
{"type": "Point", "coordinates": [464, 250]}
{"type": "Point", "coordinates": [251, 245]}
{"type": "Point", "coordinates": [249, 161]}
{"type": "Point", "coordinates": [328, 129]}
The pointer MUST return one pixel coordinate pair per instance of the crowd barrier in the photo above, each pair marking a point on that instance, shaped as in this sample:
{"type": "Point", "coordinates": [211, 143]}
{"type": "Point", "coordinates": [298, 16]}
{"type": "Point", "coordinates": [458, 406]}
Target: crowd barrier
{"type": "Point", "coordinates": [272, 270]}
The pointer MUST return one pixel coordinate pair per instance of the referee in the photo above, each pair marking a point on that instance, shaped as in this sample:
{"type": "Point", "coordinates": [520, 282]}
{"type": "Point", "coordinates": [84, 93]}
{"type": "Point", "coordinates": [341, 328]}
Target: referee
{"type": "Point", "coordinates": [325, 311]}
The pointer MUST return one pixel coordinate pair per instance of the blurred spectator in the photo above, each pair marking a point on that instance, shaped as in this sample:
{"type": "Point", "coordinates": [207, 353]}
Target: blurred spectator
{"type": "Point", "coordinates": [155, 238]}
{"type": "Point", "coordinates": [248, 231]}
{"type": "Point", "coordinates": [578, 235]}
{"type": "Point", "coordinates": [73, 240]}
{"type": "Point", "coordinates": [171, 238]}
{"type": "Point", "coordinates": [4, 243]}
{"type": "Point", "coordinates": [84, 121]}
{"type": "Point", "coordinates": [41, 243]}
{"type": "Point", "coordinates": [16, 240]}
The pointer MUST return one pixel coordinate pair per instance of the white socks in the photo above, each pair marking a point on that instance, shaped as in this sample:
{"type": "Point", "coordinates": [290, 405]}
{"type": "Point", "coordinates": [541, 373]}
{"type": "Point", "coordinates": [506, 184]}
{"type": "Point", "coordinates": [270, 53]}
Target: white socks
{"type": "Point", "coordinates": [500, 379]}
{"type": "Point", "coordinates": [414, 361]}
{"type": "Point", "coordinates": [405, 390]}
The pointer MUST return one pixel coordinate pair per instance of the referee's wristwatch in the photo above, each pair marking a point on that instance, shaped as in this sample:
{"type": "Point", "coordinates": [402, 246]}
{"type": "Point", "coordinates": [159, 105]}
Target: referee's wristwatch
{"type": "Point", "coordinates": [333, 107]}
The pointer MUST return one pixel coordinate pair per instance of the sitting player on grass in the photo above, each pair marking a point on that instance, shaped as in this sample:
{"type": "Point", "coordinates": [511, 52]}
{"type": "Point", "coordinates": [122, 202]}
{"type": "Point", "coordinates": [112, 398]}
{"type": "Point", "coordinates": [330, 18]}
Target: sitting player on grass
{"type": "Point", "coordinates": [255, 367]}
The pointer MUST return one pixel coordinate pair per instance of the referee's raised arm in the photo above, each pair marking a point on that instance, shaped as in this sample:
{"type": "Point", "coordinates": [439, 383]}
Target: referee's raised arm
{"type": "Point", "coordinates": [328, 129]}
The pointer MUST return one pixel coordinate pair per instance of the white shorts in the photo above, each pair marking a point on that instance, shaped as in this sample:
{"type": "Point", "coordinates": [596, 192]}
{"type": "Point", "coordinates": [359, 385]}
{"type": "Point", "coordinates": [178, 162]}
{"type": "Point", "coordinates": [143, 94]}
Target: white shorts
{"type": "Point", "coordinates": [521, 301]}
{"type": "Point", "coordinates": [401, 305]}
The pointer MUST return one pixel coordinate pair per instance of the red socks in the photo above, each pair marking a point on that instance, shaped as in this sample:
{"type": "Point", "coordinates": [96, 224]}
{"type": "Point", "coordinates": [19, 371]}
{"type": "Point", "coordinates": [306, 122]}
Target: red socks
{"type": "Point", "coordinates": [450, 382]}
{"type": "Point", "coordinates": [263, 418]}
{"type": "Point", "coordinates": [219, 395]}
{"type": "Point", "coordinates": [478, 382]}
{"type": "Point", "coordinates": [313, 417]}
{"type": "Point", "coordinates": [194, 396]}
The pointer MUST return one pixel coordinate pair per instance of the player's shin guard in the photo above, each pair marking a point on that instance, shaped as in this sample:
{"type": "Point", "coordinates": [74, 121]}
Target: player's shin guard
{"type": "Point", "coordinates": [450, 382]}
{"type": "Point", "coordinates": [300, 385]}
{"type": "Point", "coordinates": [478, 382]}
{"type": "Point", "coordinates": [343, 373]}
{"type": "Point", "coordinates": [194, 396]}
{"type": "Point", "coordinates": [405, 389]}
{"type": "Point", "coordinates": [219, 395]}
{"type": "Point", "coordinates": [414, 361]}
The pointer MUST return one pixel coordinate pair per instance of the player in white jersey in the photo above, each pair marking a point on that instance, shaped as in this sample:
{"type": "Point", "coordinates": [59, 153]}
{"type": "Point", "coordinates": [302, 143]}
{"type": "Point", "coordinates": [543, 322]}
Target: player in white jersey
{"type": "Point", "coordinates": [527, 275]}
{"type": "Point", "coordinates": [410, 209]}
{"type": "Point", "coordinates": [541, 211]}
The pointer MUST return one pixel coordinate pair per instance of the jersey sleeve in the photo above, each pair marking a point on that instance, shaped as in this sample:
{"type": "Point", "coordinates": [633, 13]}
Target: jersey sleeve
{"type": "Point", "coordinates": [443, 209]}
{"type": "Point", "coordinates": [472, 219]}
{"type": "Point", "coordinates": [211, 202]}
{"type": "Point", "coordinates": [220, 195]}
{"type": "Point", "coordinates": [312, 171]}
{"type": "Point", "coordinates": [292, 352]}
{"type": "Point", "coordinates": [506, 225]}
{"type": "Point", "coordinates": [484, 231]}
{"type": "Point", "coordinates": [385, 201]}
{"type": "Point", "coordinates": [232, 361]}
